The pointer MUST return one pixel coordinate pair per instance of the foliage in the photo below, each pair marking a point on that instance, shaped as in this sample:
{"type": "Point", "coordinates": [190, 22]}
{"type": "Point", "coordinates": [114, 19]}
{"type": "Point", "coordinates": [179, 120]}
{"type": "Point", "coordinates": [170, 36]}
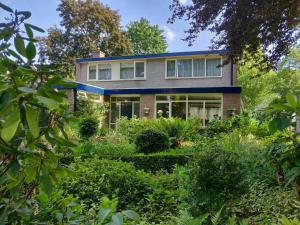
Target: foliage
{"type": "Point", "coordinates": [88, 127]}
{"type": "Point", "coordinates": [104, 148]}
{"type": "Point", "coordinates": [146, 38]}
{"type": "Point", "coordinates": [88, 108]}
{"type": "Point", "coordinates": [155, 162]}
{"type": "Point", "coordinates": [86, 27]}
{"type": "Point", "coordinates": [174, 128]}
{"type": "Point", "coordinates": [264, 202]}
{"type": "Point", "coordinates": [33, 116]}
{"type": "Point", "coordinates": [149, 141]}
{"type": "Point", "coordinates": [156, 197]}
{"type": "Point", "coordinates": [257, 82]}
{"type": "Point", "coordinates": [275, 31]}
{"type": "Point", "coordinates": [212, 179]}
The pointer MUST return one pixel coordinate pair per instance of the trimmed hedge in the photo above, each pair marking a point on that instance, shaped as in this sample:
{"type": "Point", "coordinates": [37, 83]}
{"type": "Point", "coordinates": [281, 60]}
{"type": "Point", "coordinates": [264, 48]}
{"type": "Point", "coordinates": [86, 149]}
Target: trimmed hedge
{"type": "Point", "coordinates": [154, 163]}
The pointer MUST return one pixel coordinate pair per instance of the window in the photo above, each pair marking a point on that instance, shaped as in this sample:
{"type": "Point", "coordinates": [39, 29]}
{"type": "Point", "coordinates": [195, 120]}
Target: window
{"type": "Point", "coordinates": [213, 68]}
{"type": "Point", "coordinates": [92, 72]}
{"type": "Point", "coordinates": [127, 70]}
{"type": "Point", "coordinates": [104, 72]}
{"type": "Point", "coordinates": [184, 68]}
{"type": "Point", "coordinates": [171, 68]}
{"type": "Point", "coordinates": [199, 67]}
{"type": "Point", "coordinates": [206, 107]}
{"type": "Point", "coordinates": [139, 69]}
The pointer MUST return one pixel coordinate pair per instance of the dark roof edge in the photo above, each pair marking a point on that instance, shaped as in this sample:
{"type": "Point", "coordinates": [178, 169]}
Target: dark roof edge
{"type": "Point", "coordinates": [147, 56]}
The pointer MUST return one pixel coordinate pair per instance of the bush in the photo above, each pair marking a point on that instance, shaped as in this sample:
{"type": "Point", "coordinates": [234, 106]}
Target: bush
{"type": "Point", "coordinates": [154, 163]}
{"type": "Point", "coordinates": [149, 141]}
{"type": "Point", "coordinates": [174, 128]}
{"type": "Point", "coordinates": [88, 127]}
{"type": "Point", "coordinates": [212, 179]}
{"type": "Point", "coordinates": [154, 196]}
{"type": "Point", "coordinates": [104, 148]}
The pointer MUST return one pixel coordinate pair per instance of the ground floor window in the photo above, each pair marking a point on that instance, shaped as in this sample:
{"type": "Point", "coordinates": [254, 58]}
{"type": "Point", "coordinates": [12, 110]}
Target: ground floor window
{"type": "Point", "coordinates": [203, 106]}
{"type": "Point", "coordinates": [123, 107]}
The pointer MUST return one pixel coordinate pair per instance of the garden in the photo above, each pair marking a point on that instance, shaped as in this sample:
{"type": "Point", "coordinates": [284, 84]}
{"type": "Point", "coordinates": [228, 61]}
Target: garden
{"type": "Point", "coordinates": [59, 167]}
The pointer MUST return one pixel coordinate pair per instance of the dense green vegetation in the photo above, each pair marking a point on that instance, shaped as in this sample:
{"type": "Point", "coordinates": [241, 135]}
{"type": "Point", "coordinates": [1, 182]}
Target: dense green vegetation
{"type": "Point", "coordinates": [56, 169]}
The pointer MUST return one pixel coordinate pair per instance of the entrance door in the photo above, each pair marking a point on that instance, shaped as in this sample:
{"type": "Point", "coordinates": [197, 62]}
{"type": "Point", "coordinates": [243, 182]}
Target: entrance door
{"type": "Point", "coordinates": [126, 109]}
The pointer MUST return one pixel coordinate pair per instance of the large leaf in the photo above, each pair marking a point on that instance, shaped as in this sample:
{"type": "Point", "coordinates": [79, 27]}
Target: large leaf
{"type": "Point", "coordinates": [28, 31]}
{"type": "Point", "coordinates": [10, 125]}
{"type": "Point", "coordinates": [48, 102]}
{"type": "Point", "coordinates": [35, 28]}
{"type": "Point", "coordinates": [117, 219]}
{"type": "Point", "coordinates": [291, 99]}
{"type": "Point", "coordinates": [20, 45]}
{"type": "Point", "coordinates": [30, 51]}
{"type": "Point", "coordinates": [32, 117]}
{"type": "Point", "coordinates": [5, 7]}
{"type": "Point", "coordinates": [103, 214]}
{"type": "Point", "coordinates": [131, 215]}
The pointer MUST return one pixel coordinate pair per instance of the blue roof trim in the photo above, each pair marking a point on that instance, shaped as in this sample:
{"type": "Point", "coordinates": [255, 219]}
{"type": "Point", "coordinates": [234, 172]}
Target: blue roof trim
{"type": "Point", "coordinates": [102, 91]}
{"type": "Point", "coordinates": [147, 56]}
{"type": "Point", "coordinates": [174, 90]}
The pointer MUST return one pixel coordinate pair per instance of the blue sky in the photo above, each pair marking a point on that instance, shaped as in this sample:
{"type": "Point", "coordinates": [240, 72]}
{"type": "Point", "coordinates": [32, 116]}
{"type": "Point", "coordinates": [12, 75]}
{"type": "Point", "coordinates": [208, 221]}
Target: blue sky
{"type": "Point", "coordinates": [44, 15]}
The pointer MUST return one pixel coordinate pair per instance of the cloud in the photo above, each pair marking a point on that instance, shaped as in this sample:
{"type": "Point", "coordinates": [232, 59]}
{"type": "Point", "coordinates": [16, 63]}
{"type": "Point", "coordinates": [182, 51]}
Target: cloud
{"type": "Point", "coordinates": [170, 35]}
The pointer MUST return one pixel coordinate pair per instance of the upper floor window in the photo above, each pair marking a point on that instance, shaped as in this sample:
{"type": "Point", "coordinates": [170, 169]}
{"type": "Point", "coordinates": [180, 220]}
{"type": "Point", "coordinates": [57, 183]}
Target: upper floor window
{"type": "Point", "coordinates": [197, 67]}
{"type": "Point", "coordinates": [132, 70]}
{"type": "Point", "coordinates": [92, 73]}
{"type": "Point", "coordinates": [104, 72]}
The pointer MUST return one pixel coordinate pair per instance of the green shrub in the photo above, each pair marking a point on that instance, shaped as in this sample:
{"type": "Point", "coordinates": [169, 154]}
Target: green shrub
{"type": "Point", "coordinates": [212, 179]}
{"type": "Point", "coordinates": [104, 148]}
{"type": "Point", "coordinates": [264, 203]}
{"type": "Point", "coordinates": [154, 163]}
{"type": "Point", "coordinates": [149, 141]}
{"type": "Point", "coordinates": [88, 127]}
{"type": "Point", "coordinates": [154, 196]}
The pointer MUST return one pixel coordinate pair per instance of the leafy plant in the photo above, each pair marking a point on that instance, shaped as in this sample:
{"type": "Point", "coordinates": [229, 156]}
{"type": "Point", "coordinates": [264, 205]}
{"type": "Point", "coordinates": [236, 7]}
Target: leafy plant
{"type": "Point", "coordinates": [149, 141]}
{"type": "Point", "coordinates": [88, 128]}
{"type": "Point", "coordinates": [33, 116]}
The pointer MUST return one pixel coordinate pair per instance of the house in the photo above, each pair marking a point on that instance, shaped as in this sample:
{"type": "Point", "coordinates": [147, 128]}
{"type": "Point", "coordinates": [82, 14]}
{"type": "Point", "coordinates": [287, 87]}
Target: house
{"type": "Point", "coordinates": [179, 84]}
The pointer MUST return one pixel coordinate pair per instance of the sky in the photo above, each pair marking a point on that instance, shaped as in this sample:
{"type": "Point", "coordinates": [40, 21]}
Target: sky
{"type": "Point", "coordinates": [44, 15]}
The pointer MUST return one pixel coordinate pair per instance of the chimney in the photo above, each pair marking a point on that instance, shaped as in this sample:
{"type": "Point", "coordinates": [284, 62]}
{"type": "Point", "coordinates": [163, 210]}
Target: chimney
{"type": "Point", "coordinates": [98, 54]}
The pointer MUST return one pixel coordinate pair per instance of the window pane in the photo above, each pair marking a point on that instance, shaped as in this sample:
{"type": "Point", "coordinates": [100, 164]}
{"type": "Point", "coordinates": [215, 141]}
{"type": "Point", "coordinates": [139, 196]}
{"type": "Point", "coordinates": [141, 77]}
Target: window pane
{"type": "Point", "coordinates": [114, 112]}
{"type": "Point", "coordinates": [162, 110]}
{"type": "Point", "coordinates": [179, 110]}
{"type": "Point", "coordinates": [171, 68]}
{"type": "Point", "coordinates": [140, 69]}
{"type": "Point", "coordinates": [92, 72]}
{"type": "Point", "coordinates": [184, 67]}
{"type": "Point", "coordinates": [204, 97]}
{"type": "Point", "coordinates": [162, 98]}
{"type": "Point", "coordinates": [213, 67]}
{"type": "Point", "coordinates": [212, 111]}
{"type": "Point", "coordinates": [104, 72]}
{"type": "Point", "coordinates": [127, 71]}
{"type": "Point", "coordinates": [196, 110]}
{"type": "Point", "coordinates": [136, 108]}
{"type": "Point", "coordinates": [126, 109]}
{"type": "Point", "coordinates": [199, 67]}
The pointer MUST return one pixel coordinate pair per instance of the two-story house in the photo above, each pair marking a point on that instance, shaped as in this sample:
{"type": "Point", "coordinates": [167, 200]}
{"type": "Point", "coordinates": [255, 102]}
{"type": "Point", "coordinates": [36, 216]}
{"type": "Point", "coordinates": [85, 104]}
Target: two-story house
{"type": "Point", "coordinates": [180, 84]}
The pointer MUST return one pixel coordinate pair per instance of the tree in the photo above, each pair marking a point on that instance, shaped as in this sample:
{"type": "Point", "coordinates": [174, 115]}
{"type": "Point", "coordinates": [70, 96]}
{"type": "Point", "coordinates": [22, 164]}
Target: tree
{"type": "Point", "coordinates": [257, 82]}
{"type": "Point", "coordinates": [240, 24]}
{"type": "Point", "coordinates": [87, 26]}
{"type": "Point", "coordinates": [146, 38]}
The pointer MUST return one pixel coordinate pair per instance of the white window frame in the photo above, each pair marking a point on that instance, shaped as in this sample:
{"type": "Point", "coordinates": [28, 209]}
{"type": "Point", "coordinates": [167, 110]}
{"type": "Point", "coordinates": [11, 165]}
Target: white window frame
{"type": "Point", "coordinates": [187, 101]}
{"type": "Point", "coordinates": [192, 77]}
{"type": "Point", "coordinates": [97, 71]}
{"type": "Point", "coordinates": [134, 71]}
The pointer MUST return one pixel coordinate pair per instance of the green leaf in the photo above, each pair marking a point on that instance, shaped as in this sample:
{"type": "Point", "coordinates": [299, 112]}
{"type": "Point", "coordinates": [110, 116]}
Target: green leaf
{"type": "Point", "coordinates": [131, 215]}
{"type": "Point", "coordinates": [291, 100]}
{"type": "Point", "coordinates": [26, 14]}
{"type": "Point", "coordinates": [5, 7]}
{"type": "Point", "coordinates": [28, 30]}
{"type": "Point", "coordinates": [103, 214]}
{"type": "Point", "coordinates": [48, 102]}
{"type": "Point", "coordinates": [117, 219]}
{"type": "Point", "coordinates": [19, 45]}
{"type": "Point", "coordinates": [30, 51]}
{"type": "Point", "coordinates": [32, 117]}
{"type": "Point", "coordinates": [10, 125]}
{"type": "Point", "coordinates": [26, 89]}
{"type": "Point", "coordinates": [36, 28]}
